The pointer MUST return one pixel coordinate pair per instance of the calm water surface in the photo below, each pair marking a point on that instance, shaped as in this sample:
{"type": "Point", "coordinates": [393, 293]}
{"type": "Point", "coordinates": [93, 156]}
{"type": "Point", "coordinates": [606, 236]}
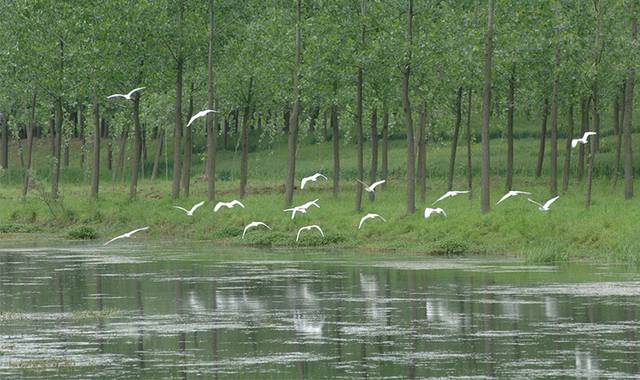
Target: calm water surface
{"type": "Point", "coordinates": [196, 312]}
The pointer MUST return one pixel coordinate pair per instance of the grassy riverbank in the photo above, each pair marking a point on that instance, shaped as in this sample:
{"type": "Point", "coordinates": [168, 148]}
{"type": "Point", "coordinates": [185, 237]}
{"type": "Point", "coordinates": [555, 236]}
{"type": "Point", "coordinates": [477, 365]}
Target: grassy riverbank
{"type": "Point", "coordinates": [607, 231]}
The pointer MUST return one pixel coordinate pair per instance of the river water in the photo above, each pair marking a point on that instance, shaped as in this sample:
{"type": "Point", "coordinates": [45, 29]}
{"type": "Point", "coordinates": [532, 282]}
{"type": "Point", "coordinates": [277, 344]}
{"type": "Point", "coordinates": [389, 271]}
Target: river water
{"type": "Point", "coordinates": [191, 312]}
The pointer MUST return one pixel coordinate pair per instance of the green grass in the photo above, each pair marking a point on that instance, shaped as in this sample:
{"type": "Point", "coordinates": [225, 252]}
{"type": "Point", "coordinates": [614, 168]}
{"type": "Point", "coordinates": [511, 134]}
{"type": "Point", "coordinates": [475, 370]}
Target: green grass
{"type": "Point", "coordinates": [606, 231]}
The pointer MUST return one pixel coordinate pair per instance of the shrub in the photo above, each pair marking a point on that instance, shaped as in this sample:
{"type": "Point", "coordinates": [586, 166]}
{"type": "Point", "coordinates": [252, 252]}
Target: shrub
{"type": "Point", "coordinates": [82, 233]}
{"type": "Point", "coordinates": [18, 228]}
{"type": "Point", "coordinates": [452, 247]}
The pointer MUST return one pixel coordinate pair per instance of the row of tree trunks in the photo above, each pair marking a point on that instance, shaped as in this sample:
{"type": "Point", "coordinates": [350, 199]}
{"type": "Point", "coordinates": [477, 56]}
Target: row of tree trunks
{"type": "Point", "coordinates": [158, 154]}
{"type": "Point", "coordinates": [422, 152]}
{"type": "Point", "coordinates": [30, 130]}
{"type": "Point", "coordinates": [408, 121]}
{"type": "Point", "coordinates": [246, 121]}
{"type": "Point", "coordinates": [212, 132]}
{"type": "Point", "coordinates": [553, 177]}
{"type": "Point", "coordinates": [567, 155]}
{"type": "Point", "coordinates": [543, 137]}
{"type": "Point", "coordinates": [119, 169]}
{"type": "Point", "coordinates": [188, 147]}
{"type": "Point", "coordinates": [55, 174]}
{"type": "Point", "coordinates": [359, 116]}
{"type": "Point", "coordinates": [373, 170]}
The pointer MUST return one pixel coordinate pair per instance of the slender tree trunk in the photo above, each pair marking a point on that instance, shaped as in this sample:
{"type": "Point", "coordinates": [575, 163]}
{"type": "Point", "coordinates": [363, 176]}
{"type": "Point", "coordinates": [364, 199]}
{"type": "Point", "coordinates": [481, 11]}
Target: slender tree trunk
{"type": "Point", "coordinates": [422, 152]}
{"type": "Point", "coordinates": [292, 142]}
{"type": "Point", "coordinates": [567, 149]}
{"type": "Point", "coordinates": [177, 132]}
{"type": "Point", "coordinates": [244, 162]}
{"type": "Point", "coordinates": [52, 132]}
{"type": "Point", "coordinates": [628, 113]}
{"type": "Point", "coordinates": [313, 118]}
{"type": "Point", "coordinates": [188, 147]}
{"type": "Point", "coordinates": [592, 145]}
{"type": "Point", "coordinates": [384, 171]}
{"type": "Point", "coordinates": [408, 121]}
{"type": "Point", "coordinates": [95, 171]}
{"type": "Point", "coordinates": [4, 155]}
{"type": "Point", "coordinates": [225, 138]}
{"type": "Point", "coordinates": [618, 117]}
{"type": "Point", "coordinates": [137, 147]}
{"type": "Point", "coordinates": [486, 105]}
{"type": "Point", "coordinates": [373, 171]}
{"type": "Point", "coordinates": [509, 132]}
{"type": "Point", "coordinates": [325, 133]}
{"type": "Point", "coordinates": [469, 163]}
{"type": "Point", "coordinates": [83, 139]}
{"type": "Point", "coordinates": [335, 139]}
{"type": "Point", "coordinates": [454, 142]}
{"type": "Point", "coordinates": [543, 137]}
{"type": "Point", "coordinates": [30, 130]}
{"type": "Point", "coordinates": [359, 116]}
{"type": "Point", "coordinates": [584, 127]}
{"type": "Point", "coordinates": [212, 120]}
{"type": "Point", "coordinates": [158, 154]}
{"type": "Point", "coordinates": [55, 175]}
{"type": "Point", "coordinates": [553, 178]}
{"type": "Point", "coordinates": [109, 145]}
{"type": "Point", "coordinates": [66, 143]}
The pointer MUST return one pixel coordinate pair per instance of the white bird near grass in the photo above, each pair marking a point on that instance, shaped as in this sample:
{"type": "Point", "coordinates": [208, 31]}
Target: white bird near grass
{"type": "Point", "coordinates": [544, 207]}
{"type": "Point", "coordinates": [311, 178]}
{"type": "Point", "coordinates": [127, 235]}
{"type": "Point", "coordinates": [309, 228]}
{"type": "Point", "coordinates": [199, 115]}
{"type": "Point", "coordinates": [429, 211]}
{"type": "Point", "coordinates": [231, 204]}
{"type": "Point", "coordinates": [450, 194]}
{"type": "Point", "coordinates": [583, 139]}
{"type": "Point", "coordinates": [512, 193]}
{"type": "Point", "coordinates": [252, 225]}
{"type": "Point", "coordinates": [302, 208]}
{"type": "Point", "coordinates": [126, 96]}
{"type": "Point", "coordinates": [193, 209]}
{"type": "Point", "coordinates": [369, 216]}
{"type": "Point", "coordinates": [372, 188]}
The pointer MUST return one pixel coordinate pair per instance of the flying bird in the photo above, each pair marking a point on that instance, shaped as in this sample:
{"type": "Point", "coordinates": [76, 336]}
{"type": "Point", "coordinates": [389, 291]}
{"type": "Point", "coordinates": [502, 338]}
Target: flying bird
{"type": "Point", "coordinates": [309, 228]}
{"type": "Point", "coordinates": [428, 211]}
{"type": "Point", "coordinates": [512, 193]}
{"type": "Point", "coordinates": [311, 178]}
{"type": "Point", "coordinates": [127, 235]}
{"type": "Point", "coordinates": [371, 188]}
{"type": "Point", "coordinates": [127, 96]}
{"type": "Point", "coordinates": [193, 209]}
{"type": "Point", "coordinates": [544, 207]}
{"type": "Point", "coordinates": [369, 216]}
{"type": "Point", "coordinates": [199, 115]}
{"type": "Point", "coordinates": [582, 140]}
{"type": "Point", "coordinates": [231, 204]}
{"type": "Point", "coordinates": [450, 194]}
{"type": "Point", "coordinates": [302, 208]}
{"type": "Point", "coordinates": [252, 225]}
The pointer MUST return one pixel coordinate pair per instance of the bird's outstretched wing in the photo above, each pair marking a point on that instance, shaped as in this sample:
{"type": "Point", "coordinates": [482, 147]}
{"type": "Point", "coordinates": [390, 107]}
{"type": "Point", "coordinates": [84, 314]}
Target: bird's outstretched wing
{"type": "Point", "coordinates": [427, 212]}
{"type": "Point", "coordinates": [550, 201]}
{"type": "Point", "coordinates": [444, 196]}
{"type": "Point", "coordinates": [298, 235]}
{"type": "Point", "coordinates": [181, 208]}
{"type": "Point", "coordinates": [236, 202]}
{"type": "Point", "coordinates": [362, 183]}
{"type": "Point", "coordinates": [317, 228]}
{"type": "Point", "coordinates": [534, 202]}
{"type": "Point", "coordinates": [587, 134]}
{"type": "Point", "coordinates": [304, 181]}
{"type": "Point", "coordinates": [322, 175]}
{"type": "Point", "coordinates": [521, 192]}
{"type": "Point", "coordinates": [218, 205]}
{"type": "Point", "coordinates": [134, 91]}
{"type": "Point", "coordinates": [114, 239]}
{"type": "Point", "coordinates": [574, 142]}
{"type": "Point", "coordinates": [195, 207]}
{"type": "Point", "coordinates": [116, 96]}
{"type": "Point", "coordinates": [138, 230]}
{"type": "Point", "coordinates": [441, 211]}
{"type": "Point", "coordinates": [376, 184]}
{"type": "Point", "coordinates": [507, 195]}
{"type": "Point", "coordinates": [362, 220]}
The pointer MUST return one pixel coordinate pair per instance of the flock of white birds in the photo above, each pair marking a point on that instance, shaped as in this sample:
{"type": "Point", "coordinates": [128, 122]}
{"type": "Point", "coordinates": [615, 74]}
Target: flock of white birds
{"type": "Point", "coordinates": [303, 209]}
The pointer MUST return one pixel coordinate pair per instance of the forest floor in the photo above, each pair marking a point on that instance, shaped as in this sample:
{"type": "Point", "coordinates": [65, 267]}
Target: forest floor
{"type": "Point", "coordinates": [606, 231]}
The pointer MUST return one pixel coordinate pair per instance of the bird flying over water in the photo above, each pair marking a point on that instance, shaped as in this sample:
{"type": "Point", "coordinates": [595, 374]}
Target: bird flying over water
{"type": "Point", "coordinates": [126, 96]}
{"type": "Point", "coordinates": [199, 115]}
{"type": "Point", "coordinates": [450, 194]}
{"type": "Point", "coordinates": [371, 188]}
{"type": "Point", "coordinates": [252, 225]}
{"type": "Point", "coordinates": [311, 178]}
{"type": "Point", "coordinates": [302, 208]}
{"type": "Point", "coordinates": [512, 193]}
{"type": "Point", "coordinates": [309, 228]}
{"type": "Point", "coordinates": [544, 207]}
{"type": "Point", "coordinates": [369, 216]}
{"type": "Point", "coordinates": [127, 235]}
{"type": "Point", "coordinates": [428, 211]}
{"type": "Point", "coordinates": [582, 140]}
{"type": "Point", "coordinates": [231, 204]}
{"type": "Point", "coordinates": [193, 209]}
